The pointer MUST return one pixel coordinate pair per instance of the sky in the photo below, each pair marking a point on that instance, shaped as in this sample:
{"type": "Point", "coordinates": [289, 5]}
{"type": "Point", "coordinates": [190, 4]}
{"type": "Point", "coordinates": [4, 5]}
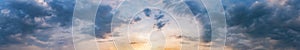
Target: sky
{"type": "Point", "coordinates": [251, 24]}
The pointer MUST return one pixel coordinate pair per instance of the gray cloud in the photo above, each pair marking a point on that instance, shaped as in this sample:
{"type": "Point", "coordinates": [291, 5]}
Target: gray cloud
{"type": "Point", "coordinates": [200, 12]}
{"type": "Point", "coordinates": [252, 24]}
{"type": "Point", "coordinates": [103, 20]}
{"type": "Point", "coordinates": [32, 23]}
{"type": "Point", "coordinates": [256, 24]}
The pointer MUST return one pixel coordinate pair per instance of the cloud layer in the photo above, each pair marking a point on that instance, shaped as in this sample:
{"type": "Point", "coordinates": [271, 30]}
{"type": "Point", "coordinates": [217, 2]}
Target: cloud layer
{"type": "Point", "coordinates": [252, 24]}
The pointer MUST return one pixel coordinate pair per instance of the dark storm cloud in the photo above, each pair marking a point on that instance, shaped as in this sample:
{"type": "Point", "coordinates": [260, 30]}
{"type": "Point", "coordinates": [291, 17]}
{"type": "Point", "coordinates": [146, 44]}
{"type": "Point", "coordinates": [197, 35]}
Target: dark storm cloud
{"type": "Point", "coordinates": [103, 20]}
{"type": "Point", "coordinates": [294, 4]}
{"type": "Point", "coordinates": [63, 10]}
{"type": "Point", "coordinates": [256, 20]}
{"type": "Point", "coordinates": [28, 19]}
{"type": "Point", "coordinates": [200, 12]}
{"type": "Point", "coordinates": [20, 20]}
{"type": "Point", "coordinates": [29, 7]}
{"type": "Point", "coordinates": [261, 23]}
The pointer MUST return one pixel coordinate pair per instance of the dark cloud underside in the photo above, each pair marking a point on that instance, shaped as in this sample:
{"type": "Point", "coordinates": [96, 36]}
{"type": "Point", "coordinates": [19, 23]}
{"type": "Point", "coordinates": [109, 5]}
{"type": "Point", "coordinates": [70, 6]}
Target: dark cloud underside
{"type": "Point", "coordinates": [260, 21]}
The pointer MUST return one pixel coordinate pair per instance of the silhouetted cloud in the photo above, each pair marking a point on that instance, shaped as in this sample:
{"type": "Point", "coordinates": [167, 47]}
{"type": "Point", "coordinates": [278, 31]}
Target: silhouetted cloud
{"type": "Point", "coordinates": [103, 20]}
{"type": "Point", "coordinates": [147, 12]}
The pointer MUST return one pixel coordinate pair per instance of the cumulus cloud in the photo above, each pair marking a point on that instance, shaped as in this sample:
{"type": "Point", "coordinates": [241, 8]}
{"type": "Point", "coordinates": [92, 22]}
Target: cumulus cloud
{"type": "Point", "coordinates": [151, 24]}
{"type": "Point", "coordinates": [252, 24]}
{"type": "Point", "coordinates": [198, 10]}
{"type": "Point", "coordinates": [103, 20]}
{"type": "Point", "coordinates": [34, 24]}
{"type": "Point", "coordinates": [262, 24]}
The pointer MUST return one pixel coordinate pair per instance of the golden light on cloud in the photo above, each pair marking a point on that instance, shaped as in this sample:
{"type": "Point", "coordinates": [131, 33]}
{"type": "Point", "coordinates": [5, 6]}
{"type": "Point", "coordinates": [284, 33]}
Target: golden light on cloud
{"type": "Point", "coordinates": [141, 46]}
{"type": "Point", "coordinates": [165, 27]}
{"type": "Point", "coordinates": [138, 39]}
